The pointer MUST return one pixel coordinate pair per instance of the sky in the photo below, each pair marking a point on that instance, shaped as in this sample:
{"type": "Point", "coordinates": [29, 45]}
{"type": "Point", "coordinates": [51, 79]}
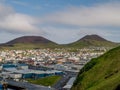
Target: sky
{"type": "Point", "coordinates": [62, 21]}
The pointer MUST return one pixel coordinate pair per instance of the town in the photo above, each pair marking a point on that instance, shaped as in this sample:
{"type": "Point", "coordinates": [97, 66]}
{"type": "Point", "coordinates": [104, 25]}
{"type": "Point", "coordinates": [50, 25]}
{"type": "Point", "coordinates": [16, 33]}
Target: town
{"type": "Point", "coordinates": [39, 63]}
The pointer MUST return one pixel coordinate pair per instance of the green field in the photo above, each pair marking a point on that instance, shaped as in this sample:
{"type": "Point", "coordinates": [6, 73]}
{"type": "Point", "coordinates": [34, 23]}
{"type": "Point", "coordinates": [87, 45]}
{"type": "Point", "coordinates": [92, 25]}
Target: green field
{"type": "Point", "coordinates": [36, 42]}
{"type": "Point", "coordinates": [102, 73]}
{"type": "Point", "coordinates": [75, 45]}
{"type": "Point", "coordinates": [90, 43]}
{"type": "Point", "coordinates": [25, 46]}
{"type": "Point", "coordinates": [47, 81]}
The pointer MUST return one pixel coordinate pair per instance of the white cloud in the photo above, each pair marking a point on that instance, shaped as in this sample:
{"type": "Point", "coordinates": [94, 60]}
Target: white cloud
{"type": "Point", "coordinates": [4, 11]}
{"type": "Point", "coordinates": [61, 35]}
{"type": "Point", "coordinates": [13, 22]}
{"type": "Point", "coordinates": [95, 19]}
{"type": "Point", "coordinates": [97, 15]}
{"type": "Point", "coordinates": [87, 19]}
{"type": "Point", "coordinates": [68, 35]}
{"type": "Point", "coordinates": [18, 22]}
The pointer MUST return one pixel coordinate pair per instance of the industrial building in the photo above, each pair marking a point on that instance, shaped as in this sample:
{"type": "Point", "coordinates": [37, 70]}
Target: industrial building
{"type": "Point", "coordinates": [22, 72]}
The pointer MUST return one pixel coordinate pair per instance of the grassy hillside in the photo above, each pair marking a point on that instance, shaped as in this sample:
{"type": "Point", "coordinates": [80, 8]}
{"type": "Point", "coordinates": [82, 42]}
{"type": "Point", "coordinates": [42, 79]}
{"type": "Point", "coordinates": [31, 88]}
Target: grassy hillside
{"type": "Point", "coordinates": [29, 42]}
{"type": "Point", "coordinates": [102, 73]}
{"type": "Point", "coordinates": [29, 46]}
{"type": "Point", "coordinates": [33, 42]}
{"type": "Point", "coordinates": [52, 45]}
{"type": "Point", "coordinates": [92, 41]}
{"type": "Point", "coordinates": [89, 43]}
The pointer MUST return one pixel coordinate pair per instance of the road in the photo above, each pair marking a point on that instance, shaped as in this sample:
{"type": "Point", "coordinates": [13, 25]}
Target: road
{"type": "Point", "coordinates": [28, 86]}
{"type": "Point", "coordinates": [62, 82]}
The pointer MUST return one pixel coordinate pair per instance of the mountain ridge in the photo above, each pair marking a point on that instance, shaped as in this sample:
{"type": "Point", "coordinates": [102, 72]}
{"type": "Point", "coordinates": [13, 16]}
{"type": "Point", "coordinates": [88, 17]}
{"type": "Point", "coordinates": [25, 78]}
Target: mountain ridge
{"type": "Point", "coordinates": [92, 40]}
{"type": "Point", "coordinates": [93, 36]}
{"type": "Point", "coordinates": [41, 42]}
{"type": "Point", "coordinates": [29, 42]}
{"type": "Point", "coordinates": [30, 39]}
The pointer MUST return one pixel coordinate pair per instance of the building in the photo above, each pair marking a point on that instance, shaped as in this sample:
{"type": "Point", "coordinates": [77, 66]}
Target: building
{"type": "Point", "coordinates": [23, 72]}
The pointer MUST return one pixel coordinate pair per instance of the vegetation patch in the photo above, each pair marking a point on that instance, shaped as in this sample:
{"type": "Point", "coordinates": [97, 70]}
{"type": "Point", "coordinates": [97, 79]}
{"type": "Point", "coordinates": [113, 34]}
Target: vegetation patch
{"type": "Point", "coordinates": [88, 66]}
{"type": "Point", "coordinates": [101, 73]}
{"type": "Point", "coordinates": [47, 81]}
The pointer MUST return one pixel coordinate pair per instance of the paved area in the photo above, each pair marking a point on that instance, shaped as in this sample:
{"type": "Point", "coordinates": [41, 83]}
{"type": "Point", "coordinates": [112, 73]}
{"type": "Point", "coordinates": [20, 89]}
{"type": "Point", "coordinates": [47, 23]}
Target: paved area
{"type": "Point", "coordinates": [60, 84]}
{"type": "Point", "coordinates": [28, 86]}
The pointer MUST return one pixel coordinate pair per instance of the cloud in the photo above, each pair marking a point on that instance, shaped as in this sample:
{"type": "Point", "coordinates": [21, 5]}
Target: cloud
{"type": "Point", "coordinates": [64, 26]}
{"type": "Point", "coordinates": [18, 22]}
{"type": "Point", "coordinates": [61, 35]}
{"type": "Point", "coordinates": [101, 19]}
{"type": "Point", "coordinates": [98, 15]}
{"type": "Point", "coordinates": [4, 11]}
{"type": "Point", "coordinates": [13, 22]}
{"type": "Point", "coordinates": [68, 35]}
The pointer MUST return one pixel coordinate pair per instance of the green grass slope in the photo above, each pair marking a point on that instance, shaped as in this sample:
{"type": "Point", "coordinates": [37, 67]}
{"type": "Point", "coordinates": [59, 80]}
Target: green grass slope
{"type": "Point", "coordinates": [29, 46]}
{"type": "Point", "coordinates": [47, 81]}
{"type": "Point", "coordinates": [102, 73]}
{"type": "Point", "coordinates": [53, 45]}
{"type": "Point", "coordinates": [29, 42]}
{"type": "Point", "coordinates": [33, 42]}
{"type": "Point", "coordinates": [91, 43]}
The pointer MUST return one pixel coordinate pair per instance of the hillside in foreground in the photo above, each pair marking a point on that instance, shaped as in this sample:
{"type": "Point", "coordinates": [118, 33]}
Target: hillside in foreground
{"type": "Point", "coordinates": [102, 73]}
